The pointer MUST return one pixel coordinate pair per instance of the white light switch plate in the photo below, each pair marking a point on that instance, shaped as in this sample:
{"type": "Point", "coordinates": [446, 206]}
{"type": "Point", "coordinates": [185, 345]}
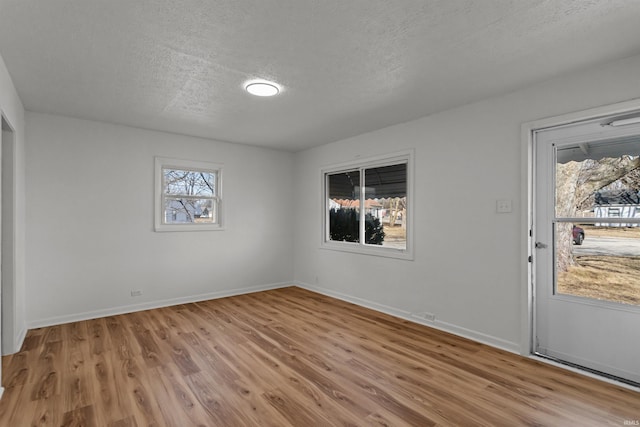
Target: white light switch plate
{"type": "Point", "coordinates": [503, 206]}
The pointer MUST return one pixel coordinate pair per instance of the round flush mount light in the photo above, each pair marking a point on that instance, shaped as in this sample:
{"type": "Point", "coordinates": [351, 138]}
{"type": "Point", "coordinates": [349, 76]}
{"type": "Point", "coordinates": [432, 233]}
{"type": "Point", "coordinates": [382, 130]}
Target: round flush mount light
{"type": "Point", "coordinates": [262, 88]}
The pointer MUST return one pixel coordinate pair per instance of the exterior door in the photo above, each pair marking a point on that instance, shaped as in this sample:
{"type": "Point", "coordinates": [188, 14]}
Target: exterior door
{"type": "Point", "coordinates": [587, 246]}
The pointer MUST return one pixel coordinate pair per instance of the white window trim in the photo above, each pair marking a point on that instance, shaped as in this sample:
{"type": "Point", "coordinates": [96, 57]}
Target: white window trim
{"type": "Point", "coordinates": [165, 162]}
{"type": "Point", "coordinates": [370, 162]}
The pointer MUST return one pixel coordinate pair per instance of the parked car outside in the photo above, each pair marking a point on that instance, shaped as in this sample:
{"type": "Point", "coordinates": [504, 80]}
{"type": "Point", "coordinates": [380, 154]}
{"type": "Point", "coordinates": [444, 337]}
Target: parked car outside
{"type": "Point", "coordinates": [578, 235]}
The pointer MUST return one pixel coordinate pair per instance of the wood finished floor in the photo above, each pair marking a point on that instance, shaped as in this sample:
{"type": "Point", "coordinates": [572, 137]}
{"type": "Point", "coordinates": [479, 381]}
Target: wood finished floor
{"type": "Point", "coordinates": [287, 357]}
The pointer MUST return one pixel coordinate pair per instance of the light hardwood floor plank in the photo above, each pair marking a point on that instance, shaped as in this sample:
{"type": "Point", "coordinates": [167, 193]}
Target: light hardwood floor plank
{"type": "Point", "coordinates": [287, 357]}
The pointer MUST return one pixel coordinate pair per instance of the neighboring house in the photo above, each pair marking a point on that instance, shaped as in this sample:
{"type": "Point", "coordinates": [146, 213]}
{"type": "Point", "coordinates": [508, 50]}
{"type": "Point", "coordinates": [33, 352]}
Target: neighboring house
{"type": "Point", "coordinates": [617, 204]}
{"type": "Point", "coordinates": [371, 206]}
{"type": "Point", "coordinates": [333, 204]}
{"type": "Point", "coordinates": [187, 212]}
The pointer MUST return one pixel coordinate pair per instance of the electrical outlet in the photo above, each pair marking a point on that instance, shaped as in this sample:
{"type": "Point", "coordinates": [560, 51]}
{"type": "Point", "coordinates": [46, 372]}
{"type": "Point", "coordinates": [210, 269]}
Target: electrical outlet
{"type": "Point", "coordinates": [136, 293]}
{"type": "Point", "coordinates": [430, 317]}
{"type": "Point", "coordinates": [425, 315]}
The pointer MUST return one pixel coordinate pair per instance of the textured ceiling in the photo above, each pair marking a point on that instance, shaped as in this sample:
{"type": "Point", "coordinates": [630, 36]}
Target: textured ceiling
{"type": "Point", "coordinates": [347, 67]}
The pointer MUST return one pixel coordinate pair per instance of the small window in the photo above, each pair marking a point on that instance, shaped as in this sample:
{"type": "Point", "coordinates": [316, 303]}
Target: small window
{"type": "Point", "coordinates": [188, 195]}
{"type": "Point", "coordinates": [367, 207]}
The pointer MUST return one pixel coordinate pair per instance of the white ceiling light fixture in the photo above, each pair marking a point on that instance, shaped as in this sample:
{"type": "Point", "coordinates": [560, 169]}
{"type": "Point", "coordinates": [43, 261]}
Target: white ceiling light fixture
{"type": "Point", "coordinates": [262, 88]}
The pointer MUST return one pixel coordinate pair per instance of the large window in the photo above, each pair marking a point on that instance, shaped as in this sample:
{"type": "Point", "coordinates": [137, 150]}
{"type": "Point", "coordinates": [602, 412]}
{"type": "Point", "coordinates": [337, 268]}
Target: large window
{"type": "Point", "coordinates": [368, 206]}
{"type": "Point", "coordinates": [188, 195]}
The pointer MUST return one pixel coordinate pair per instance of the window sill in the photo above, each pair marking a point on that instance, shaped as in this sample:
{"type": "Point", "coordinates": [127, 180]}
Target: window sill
{"type": "Point", "coordinates": [188, 227]}
{"type": "Point", "coordinates": [356, 248]}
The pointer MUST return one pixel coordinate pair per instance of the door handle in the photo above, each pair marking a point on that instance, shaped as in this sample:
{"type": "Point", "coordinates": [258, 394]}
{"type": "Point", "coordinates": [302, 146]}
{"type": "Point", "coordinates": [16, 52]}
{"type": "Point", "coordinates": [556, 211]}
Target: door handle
{"type": "Point", "coordinates": [540, 245]}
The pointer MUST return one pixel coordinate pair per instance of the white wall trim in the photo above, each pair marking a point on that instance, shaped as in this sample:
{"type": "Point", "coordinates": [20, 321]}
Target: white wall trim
{"type": "Point", "coordinates": [526, 249]}
{"type": "Point", "coordinates": [1, 392]}
{"type": "Point", "coordinates": [512, 347]}
{"type": "Point", "coordinates": [58, 320]}
{"type": "Point", "coordinates": [580, 116]}
{"type": "Point", "coordinates": [9, 284]}
{"type": "Point", "coordinates": [440, 325]}
{"type": "Point", "coordinates": [19, 339]}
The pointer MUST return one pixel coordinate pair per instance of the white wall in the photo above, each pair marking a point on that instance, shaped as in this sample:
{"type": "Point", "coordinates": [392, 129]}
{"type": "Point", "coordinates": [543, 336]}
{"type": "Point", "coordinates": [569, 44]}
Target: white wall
{"type": "Point", "coordinates": [13, 111]}
{"type": "Point", "coordinates": [468, 262]}
{"type": "Point", "coordinates": [90, 238]}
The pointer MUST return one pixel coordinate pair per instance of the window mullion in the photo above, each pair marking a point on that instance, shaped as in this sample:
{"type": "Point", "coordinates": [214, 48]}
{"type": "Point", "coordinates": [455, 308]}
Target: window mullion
{"type": "Point", "coordinates": [189, 197]}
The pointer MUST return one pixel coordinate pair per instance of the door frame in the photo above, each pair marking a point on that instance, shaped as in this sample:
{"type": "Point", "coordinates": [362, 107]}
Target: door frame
{"type": "Point", "coordinates": [8, 217]}
{"type": "Point", "coordinates": [527, 205]}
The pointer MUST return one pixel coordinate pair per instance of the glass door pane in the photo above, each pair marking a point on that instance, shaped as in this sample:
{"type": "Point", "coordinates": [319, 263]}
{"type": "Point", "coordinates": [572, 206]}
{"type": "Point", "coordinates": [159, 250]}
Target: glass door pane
{"type": "Point", "coordinates": [603, 263]}
{"type": "Point", "coordinates": [598, 184]}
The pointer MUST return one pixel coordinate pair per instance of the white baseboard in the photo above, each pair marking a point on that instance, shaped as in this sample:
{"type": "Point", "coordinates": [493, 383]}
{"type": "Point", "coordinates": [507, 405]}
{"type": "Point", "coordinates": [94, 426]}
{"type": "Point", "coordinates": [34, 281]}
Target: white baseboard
{"type": "Point", "coordinates": [480, 337]}
{"type": "Point", "coordinates": [1, 392]}
{"type": "Point", "coordinates": [19, 339]}
{"type": "Point", "coordinates": [76, 317]}
{"type": "Point", "coordinates": [444, 326]}
{"type": "Point", "coordinates": [16, 343]}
